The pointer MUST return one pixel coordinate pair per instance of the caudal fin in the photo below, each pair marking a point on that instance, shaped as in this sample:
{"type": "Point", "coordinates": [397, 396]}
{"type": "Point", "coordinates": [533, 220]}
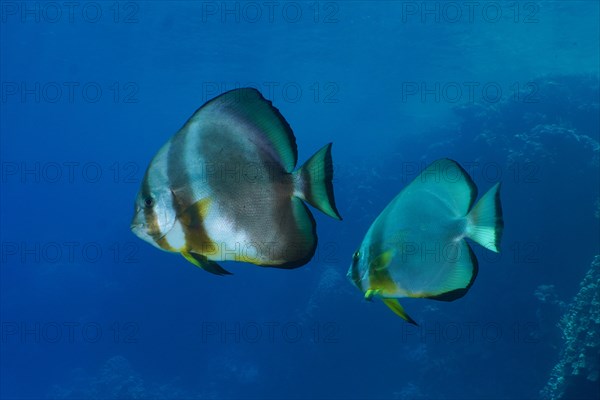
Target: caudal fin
{"type": "Point", "coordinates": [313, 182]}
{"type": "Point", "coordinates": [485, 220]}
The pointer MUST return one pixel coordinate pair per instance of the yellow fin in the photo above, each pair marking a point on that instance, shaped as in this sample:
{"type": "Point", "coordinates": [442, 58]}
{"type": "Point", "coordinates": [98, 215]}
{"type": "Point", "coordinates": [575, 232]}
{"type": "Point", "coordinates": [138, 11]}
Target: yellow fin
{"type": "Point", "coordinates": [195, 213]}
{"type": "Point", "coordinates": [382, 261]}
{"type": "Point", "coordinates": [204, 263]}
{"type": "Point", "coordinates": [395, 306]}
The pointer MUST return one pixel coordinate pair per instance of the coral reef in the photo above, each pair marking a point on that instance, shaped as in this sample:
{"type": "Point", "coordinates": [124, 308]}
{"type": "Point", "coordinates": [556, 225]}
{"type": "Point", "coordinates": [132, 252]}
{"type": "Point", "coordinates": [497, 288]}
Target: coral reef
{"type": "Point", "coordinates": [547, 294]}
{"type": "Point", "coordinates": [553, 122]}
{"type": "Point", "coordinates": [577, 373]}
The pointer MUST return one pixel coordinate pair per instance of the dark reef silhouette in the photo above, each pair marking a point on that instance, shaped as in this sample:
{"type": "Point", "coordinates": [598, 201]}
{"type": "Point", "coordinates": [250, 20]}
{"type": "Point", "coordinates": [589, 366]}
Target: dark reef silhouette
{"type": "Point", "coordinates": [577, 372]}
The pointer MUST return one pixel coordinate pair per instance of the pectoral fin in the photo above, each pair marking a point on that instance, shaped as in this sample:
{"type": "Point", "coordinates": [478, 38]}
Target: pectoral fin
{"type": "Point", "coordinates": [395, 306]}
{"type": "Point", "coordinates": [382, 261]}
{"type": "Point", "coordinates": [204, 263]}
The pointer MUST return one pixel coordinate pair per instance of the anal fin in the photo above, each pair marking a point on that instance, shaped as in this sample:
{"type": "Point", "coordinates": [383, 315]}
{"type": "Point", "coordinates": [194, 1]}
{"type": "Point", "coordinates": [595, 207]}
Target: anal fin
{"type": "Point", "coordinates": [395, 306]}
{"type": "Point", "coordinates": [202, 262]}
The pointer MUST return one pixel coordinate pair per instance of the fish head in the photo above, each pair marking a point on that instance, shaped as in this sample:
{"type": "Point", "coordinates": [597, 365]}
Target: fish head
{"type": "Point", "coordinates": [154, 215]}
{"type": "Point", "coordinates": [358, 271]}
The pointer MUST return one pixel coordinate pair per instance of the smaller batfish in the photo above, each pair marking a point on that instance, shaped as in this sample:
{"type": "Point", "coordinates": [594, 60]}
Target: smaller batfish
{"type": "Point", "coordinates": [416, 247]}
{"type": "Point", "coordinates": [224, 188]}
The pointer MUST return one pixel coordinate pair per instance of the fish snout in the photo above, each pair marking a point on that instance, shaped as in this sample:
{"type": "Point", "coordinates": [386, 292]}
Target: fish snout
{"type": "Point", "coordinates": [138, 225]}
{"type": "Point", "coordinates": [139, 230]}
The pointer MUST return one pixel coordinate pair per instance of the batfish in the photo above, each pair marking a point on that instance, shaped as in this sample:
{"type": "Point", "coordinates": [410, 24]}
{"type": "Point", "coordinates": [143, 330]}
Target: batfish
{"type": "Point", "coordinates": [225, 188]}
{"type": "Point", "coordinates": [417, 246]}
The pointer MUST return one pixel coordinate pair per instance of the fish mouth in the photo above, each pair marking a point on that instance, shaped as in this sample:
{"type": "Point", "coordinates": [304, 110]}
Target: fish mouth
{"type": "Point", "coordinates": [140, 231]}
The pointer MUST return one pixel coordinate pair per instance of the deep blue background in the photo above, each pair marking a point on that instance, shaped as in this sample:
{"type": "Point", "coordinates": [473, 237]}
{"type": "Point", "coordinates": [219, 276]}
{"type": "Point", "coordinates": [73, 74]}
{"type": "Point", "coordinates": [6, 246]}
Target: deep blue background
{"type": "Point", "coordinates": [156, 62]}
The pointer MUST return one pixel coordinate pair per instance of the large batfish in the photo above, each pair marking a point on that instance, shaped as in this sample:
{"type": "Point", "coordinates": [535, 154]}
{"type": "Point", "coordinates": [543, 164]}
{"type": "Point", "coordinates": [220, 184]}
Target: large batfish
{"type": "Point", "coordinates": [223, 188]}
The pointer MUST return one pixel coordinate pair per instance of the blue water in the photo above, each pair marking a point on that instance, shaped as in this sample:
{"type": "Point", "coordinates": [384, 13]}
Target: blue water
{"type": "Point", "coordinates": [90, 93]}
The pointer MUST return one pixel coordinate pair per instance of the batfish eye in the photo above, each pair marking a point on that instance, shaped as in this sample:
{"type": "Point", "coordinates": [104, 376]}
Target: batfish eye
{"type": "Point", "coordinates": [356, 256]}
{"type": "Point", "coordinates": [149, 202]}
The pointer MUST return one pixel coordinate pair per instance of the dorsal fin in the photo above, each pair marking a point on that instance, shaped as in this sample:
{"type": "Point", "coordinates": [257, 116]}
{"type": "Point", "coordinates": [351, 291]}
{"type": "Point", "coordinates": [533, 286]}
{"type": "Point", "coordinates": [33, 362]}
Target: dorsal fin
{"type": "Point", "coordinates": [450, 182]}
{"type": "Point", "coordinates": [250, 107]}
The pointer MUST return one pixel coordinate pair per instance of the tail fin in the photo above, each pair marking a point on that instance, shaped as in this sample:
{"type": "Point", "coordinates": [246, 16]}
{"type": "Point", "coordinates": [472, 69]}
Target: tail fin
{"type": "Point", "coordinates": [313, 182]}
{"type": "Point", "coordinates": [485, 220]}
